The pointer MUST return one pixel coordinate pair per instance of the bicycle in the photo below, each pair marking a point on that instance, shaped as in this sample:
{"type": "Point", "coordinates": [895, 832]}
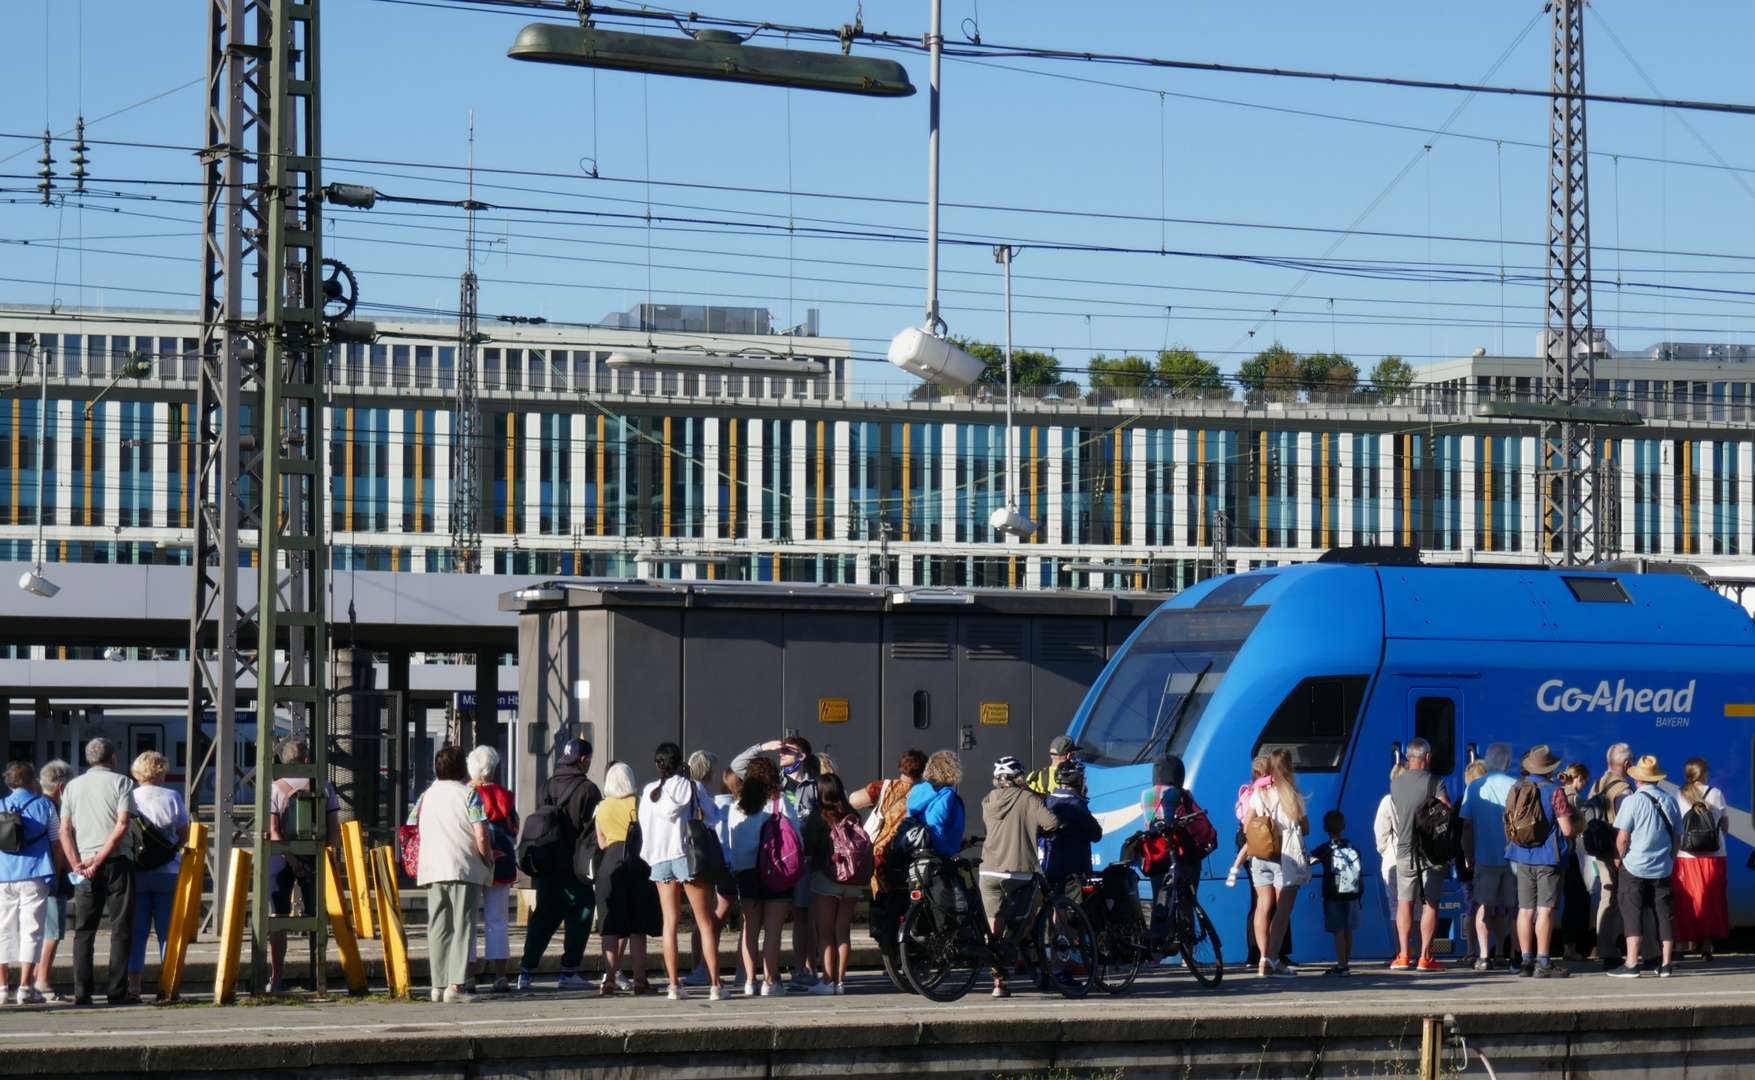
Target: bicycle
{"type": "Point", "coordinates": [1192, 933]}
{"type": "Point", "coordinates": [945, 941]}
{"type": "Point", "coordinates": [1111, 900]}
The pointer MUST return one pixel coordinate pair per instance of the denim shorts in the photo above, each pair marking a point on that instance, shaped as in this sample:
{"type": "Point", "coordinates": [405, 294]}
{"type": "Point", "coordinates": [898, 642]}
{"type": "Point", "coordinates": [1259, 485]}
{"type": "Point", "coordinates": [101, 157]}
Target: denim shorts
{"type": "Point", "coordinates": [1267, 873]}
{"type": "Point", "coordinates": [671, 870]}
{"type": "Point", "coordinates": [827, 886]}
{"type": "Point", "coordinates": [55, 919]}
{"type": "Point", "coordinates": [1340, 915]}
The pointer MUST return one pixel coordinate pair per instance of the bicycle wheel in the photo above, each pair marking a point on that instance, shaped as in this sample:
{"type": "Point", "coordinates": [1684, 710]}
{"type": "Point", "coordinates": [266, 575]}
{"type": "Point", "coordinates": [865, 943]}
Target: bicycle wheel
{"type": "Point", "coordinates": [893, 968]}
{"type": "Point", "coordinates": [1121, 949]}
{"type": "Point", "coordinates": [1066, 947]}
{"type": "Point", "coordinates": [1200, 942]}
{"type": "Point", "coordinates": [933, 960]}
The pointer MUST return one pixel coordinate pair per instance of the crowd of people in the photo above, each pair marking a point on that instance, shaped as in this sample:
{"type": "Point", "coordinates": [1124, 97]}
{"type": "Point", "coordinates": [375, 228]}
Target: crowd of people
{"type": "Point", "coordinates": [1550, 866]}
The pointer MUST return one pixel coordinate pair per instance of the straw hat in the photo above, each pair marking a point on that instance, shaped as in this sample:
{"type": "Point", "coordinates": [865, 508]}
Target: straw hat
{"type": "Point", "coordinates": [1540, 761]}
{"type": "Point", "coordinates": [1647, 771]}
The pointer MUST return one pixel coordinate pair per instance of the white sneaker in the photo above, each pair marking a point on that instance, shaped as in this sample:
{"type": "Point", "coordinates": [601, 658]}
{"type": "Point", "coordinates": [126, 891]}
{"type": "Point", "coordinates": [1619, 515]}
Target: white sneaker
{"type": "Point", "coordinates": [749, 989]}
{"type": "Point", "coordinates": [697, 977]}
{"type": "Point", "coordinates": [822, 989]}
{"type": "Point", "coordinates": [575, 981]}
{"type": "Point", "coordinates": [717, 993]}
{"type": "Point", "coordinates": [523, 980]}
{"type": "Point", "coordinates": [458, 997]}
{"type": "Point", "coordinates": [840, 989]}
{"type": "Point", "coordinates": [622, 982]}
{"type": "Point", "coordinates": [773, 989]}
{"type": "Point", "coordinates": [438, 994]}
{"type": "Point", "coordinates": [677, 993]}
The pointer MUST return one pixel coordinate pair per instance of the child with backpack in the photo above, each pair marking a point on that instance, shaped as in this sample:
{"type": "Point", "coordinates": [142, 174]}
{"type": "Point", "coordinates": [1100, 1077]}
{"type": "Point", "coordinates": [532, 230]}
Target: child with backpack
{"type": "Point", "coordinates": [1343, 888]}
{"type": "Point", "coordinates": [841, 859]}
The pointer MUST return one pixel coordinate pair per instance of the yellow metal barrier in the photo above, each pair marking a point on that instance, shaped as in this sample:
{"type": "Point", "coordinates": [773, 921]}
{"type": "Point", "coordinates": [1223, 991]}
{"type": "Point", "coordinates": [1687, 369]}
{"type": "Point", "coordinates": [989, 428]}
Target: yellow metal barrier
{"type": "Point", "coordinates": [390, 922]}
{"type": "Point", "coordinates": [185, 912]}
{"type": "Point", "coordinates": [231, 928]}
{"type": "Point", "coordinates": [359, 879]}
{"type": "Point", "coordinates": [351, 965]}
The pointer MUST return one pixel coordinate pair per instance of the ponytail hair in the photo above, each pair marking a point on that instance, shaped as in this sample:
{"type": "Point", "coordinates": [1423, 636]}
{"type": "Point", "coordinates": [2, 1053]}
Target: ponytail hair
{"type": "Point", "coordinates": [668, 757]}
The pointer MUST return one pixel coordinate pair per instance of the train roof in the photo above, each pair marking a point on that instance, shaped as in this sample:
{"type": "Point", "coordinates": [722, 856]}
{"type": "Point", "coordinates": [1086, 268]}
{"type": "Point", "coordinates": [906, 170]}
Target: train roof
{"type": "Point", "coordinates": [809, 596]}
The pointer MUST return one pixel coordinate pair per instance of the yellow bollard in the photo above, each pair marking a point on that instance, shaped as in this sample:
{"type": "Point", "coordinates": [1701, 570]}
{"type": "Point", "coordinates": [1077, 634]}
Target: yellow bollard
{"type": "Point", "coordinates": [390, 923]}
{"type": "Point", "coordinates": [185, 912]}
{"type": "Point", "coordinates": [351, 965]}
{"type": "Point", "coordinates": [231, 928]}
{"type": "Point", "coordinates": [359, 879]}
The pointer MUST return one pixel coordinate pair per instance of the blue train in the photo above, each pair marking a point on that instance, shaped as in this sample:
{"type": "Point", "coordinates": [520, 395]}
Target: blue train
{"type": "Point", "coordinates": [1342, 664]}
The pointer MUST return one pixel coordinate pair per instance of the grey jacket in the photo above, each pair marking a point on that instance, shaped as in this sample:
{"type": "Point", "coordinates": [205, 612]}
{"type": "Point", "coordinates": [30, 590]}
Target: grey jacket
{"type": "Point", "coordinates": [1014, 817]}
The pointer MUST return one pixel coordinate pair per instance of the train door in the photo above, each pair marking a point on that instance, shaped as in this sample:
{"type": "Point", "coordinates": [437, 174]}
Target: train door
{"type": "Point", "coordinates": [993, 690]}
{"type": "Point", "coordinates": [144, 737]}
{"type": "Point", "coordinates": [1437, 715]}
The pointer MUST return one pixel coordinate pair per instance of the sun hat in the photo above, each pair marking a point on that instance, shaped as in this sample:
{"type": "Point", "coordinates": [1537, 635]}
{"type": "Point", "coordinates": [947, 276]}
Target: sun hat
{"type": "Point", "coordinates": [1646, 771]}
{"type": "Point", "coordinates": [1540, 760]}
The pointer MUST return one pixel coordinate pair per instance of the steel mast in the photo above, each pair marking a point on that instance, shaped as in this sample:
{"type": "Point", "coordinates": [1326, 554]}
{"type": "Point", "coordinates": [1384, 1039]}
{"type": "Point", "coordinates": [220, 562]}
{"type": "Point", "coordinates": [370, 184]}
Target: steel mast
{"type": "Point", "coordinates": [466, 422]}
{"type": "Point", "coordinates": [1566, 467]}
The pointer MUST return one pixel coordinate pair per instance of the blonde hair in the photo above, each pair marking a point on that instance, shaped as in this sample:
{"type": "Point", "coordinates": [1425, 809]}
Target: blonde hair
{"type": "Point", "coordinates": [943, 770]}
{"type": "Point", "coordinates": [1259, 767]}
{"type": "Point", "coordinates": [1477, 769]}
{"type": "Point", "coordinates": [1397, 769]}
{"type": "Point", "coordinates": [1286, 784]}
{"type": "Point", "coordinates": [150, 767]}
{"type": "Point", "coordinates": [825, 764]}
{"type": "Point", "coordinates": [1696, 771]}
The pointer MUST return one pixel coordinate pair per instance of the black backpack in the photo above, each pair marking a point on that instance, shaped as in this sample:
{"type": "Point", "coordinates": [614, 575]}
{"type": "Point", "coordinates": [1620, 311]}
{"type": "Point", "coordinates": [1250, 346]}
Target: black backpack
{"type": "Point", "coordinates": [14, 836]}
{"type": "Point", "coordinates": [1700, 827]}
{"type": "Point", "coordinates": [1437, 829]}
{"type": "Point", "coordinates": [547, 842]}
{"type": "Point", "coordinates": [153, 847]}
{"type": "Point", "coordinates": [1597, 834]}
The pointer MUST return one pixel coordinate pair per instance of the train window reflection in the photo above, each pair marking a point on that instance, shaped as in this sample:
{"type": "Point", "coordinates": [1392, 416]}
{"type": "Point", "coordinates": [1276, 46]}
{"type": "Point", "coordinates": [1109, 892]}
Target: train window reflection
{"type": "Point", "coordinates": [1315, 722]}
{"type": "Point", "coordinates": [1161, 685]}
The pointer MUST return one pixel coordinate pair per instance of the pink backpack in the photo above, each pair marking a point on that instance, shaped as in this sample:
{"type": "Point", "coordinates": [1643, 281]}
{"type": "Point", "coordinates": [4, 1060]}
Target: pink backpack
{"type": "Point", "coordinates": [1245, 792]}
{"type": "Point", "coordinates": [850, 858]}
{"type": "Point", "coordinates": [779, 852]}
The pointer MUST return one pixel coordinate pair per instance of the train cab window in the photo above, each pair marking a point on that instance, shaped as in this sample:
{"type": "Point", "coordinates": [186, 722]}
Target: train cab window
{"type": "Point", "coordinates": [1597, 590]}
{"type": "Point", "coordinates": [1315, 722]}
{"type": "Point", "coordinates": [922, 709]}
{"type": "Point", "coordinates": [1435, 721]}
{"type": "Point", "coordinates": [1235, 592]}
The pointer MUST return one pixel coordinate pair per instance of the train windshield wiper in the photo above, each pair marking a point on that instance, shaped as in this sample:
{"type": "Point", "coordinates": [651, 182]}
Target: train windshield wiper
{"type": "Point", "coordinates": [1165, 725]}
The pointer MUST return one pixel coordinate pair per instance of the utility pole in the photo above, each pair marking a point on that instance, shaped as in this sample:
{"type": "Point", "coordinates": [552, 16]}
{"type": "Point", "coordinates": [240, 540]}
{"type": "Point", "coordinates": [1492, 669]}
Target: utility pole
{"type": "Point", "coordinates": [230, 351]}
{"type": "Point", "coordinates": [1566, 465]}
{"type": "Point", "coordinates": [466, 422]}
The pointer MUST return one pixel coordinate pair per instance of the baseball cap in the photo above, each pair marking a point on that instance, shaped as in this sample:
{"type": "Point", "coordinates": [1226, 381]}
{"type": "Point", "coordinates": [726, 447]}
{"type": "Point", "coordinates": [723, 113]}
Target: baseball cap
{"type": "Point", "coordinates": [574, 749]}
{"type": "Point", "coordinates": [1063, 744]}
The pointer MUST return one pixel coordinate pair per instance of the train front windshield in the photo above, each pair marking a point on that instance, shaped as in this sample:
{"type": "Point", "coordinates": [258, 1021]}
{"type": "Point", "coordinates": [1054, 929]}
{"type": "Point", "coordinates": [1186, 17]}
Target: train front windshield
{"type": "Point", "coordinates": [1162, 684]}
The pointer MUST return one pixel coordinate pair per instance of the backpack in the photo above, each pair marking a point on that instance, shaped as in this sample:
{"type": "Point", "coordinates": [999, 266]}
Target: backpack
{"type": "Point", "coordinates": [153, 847]}
{"type": "Point", "coordinates": [1194, 835]}
{"type": "Point", "coordinates": [1526, 820]}
{"type": "Point", "coordinates": [542, 843]}
{"type": "Point", "coordinates": [1597, 833]}
{"type": "Point", "coordinates": [779, 852]}
{"type": "Point", "coordinates": [1149, 850]}
{"type": "Point", "coordinates": [935, 879]}
{"type": "Point", "coordinates": [12, 830]}
{"type": "Point", "coordinates": [1700, 827]}
{"type": "Point", "coordinates": [1346, 873]}
{"type": "Point", "coordinates": [1437, 829]}
{"type": "Point", "coordinates": [1261, 837]}
{"type": "Point", "coordinates": [851, 858]}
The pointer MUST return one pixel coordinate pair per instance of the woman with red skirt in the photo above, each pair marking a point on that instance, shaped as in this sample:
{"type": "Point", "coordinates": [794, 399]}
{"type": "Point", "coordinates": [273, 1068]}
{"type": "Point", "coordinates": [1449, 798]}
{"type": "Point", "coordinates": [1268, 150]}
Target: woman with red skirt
{"type": "Point", "coordinates": [1702, 913]}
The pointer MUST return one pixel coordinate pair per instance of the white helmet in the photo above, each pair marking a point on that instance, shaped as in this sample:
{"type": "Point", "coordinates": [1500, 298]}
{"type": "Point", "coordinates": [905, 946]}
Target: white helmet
{"type": "Point", "coordinates": [1008, 771]}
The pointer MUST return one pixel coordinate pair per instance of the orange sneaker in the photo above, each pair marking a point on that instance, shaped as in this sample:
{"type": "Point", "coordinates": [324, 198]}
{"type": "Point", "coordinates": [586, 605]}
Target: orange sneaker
{"type": "Point", "coordinates": [1401, 962]}
{"type": "Point", "coordinates": [1429, 964]}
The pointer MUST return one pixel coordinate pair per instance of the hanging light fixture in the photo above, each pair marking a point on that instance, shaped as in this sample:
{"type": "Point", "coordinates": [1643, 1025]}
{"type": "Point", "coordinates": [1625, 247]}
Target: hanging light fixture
{"type": "Point", "coordinates": [711, 54]}
{"type": "Point", "coordinates": [748, 362]}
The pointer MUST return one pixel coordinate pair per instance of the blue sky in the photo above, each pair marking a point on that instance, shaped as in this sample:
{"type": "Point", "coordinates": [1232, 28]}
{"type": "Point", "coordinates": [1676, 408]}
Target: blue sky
{"type": "Point", "coordinates": [1035, 152]}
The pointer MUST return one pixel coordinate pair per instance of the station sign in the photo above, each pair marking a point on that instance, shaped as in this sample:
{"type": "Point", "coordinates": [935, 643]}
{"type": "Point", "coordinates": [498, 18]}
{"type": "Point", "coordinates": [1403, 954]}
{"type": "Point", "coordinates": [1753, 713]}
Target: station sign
{"type": "Point", "coordinates": [465, 699]}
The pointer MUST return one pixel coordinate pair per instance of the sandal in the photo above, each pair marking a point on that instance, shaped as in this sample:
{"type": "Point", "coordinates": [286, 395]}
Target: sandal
{"type": "Point", "coordinates": [643, 987]}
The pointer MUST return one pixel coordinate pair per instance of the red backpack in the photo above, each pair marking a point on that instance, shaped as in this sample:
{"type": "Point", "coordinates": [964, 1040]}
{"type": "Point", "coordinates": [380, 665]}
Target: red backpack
{"type": "Point", "coordinates": [1194, 835]}
{"type": "Point", "coordinates": [851, 858]}
{"type": "Point", "coordinates": [779, 852]}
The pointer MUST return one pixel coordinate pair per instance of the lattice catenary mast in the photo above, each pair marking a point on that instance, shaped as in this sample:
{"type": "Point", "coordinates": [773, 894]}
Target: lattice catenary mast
{"type": "Point", "coordinates": [466, 434]}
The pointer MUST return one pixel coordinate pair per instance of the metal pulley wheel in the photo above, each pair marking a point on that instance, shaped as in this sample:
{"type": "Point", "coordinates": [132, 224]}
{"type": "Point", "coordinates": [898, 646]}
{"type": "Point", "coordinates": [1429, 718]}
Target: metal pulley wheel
{"type": "Point", "coordinates": [341, 290]}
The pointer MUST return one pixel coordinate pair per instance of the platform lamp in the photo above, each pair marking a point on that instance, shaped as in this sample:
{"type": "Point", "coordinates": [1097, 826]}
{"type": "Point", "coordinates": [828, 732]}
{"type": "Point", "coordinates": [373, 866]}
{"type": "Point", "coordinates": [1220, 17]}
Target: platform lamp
{"type": "Point", "coordinates": [33, 581]}
{"type": "Point", "coordinates": [923, 351]}
{"type": "Point", "coordinates": [1009, 519]}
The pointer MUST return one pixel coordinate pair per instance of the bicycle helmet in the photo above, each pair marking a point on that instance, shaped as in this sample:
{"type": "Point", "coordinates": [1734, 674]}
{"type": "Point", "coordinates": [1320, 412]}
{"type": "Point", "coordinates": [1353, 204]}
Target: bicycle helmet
{"type": "Point", "coordinates": [1008, 771]}
{"type": "Point", "coordinates": [1069, 774]}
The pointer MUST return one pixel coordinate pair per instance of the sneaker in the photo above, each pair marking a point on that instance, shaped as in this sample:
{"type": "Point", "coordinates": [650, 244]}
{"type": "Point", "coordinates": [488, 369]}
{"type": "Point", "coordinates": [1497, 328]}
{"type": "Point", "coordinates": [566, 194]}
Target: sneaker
{"type": "Point", "coordinates": [1611, 963]}
{"type": "Point", "coordinates": [1663, 973]}
{"type": "Point", "coordinates": [1000, 990]}
{"type": "Point", "coordinates": [803, 979]}
{"type": "Point", "coordinates": [773, 989]}
{"type": "Point", "coordinates": [523, 980]}
{"type": "Point", "coordinates": [840, 989]}
{"type": "Point", "coordinates": [458, 997]}
{"type": "Point", "coordinates": [716, 993]}
{"type": "Point", "coordinates": [29, 995]}
{"type": "Point", "coordinates": [697, 977]}
{"type": "Point", "coordinates": [1401, 962]}
{"type": "Point", "coordinates": [1483, 965]}
{"type": "Point", "coordinates": [1552, 971]}
{"type": "Point", "coordinates": [1526, 970]}
{"type": "Point", "coordinates": [749, 989]}
{"type": "Point", "coordinates": [677, 993]}
{"type": "Point", "coordinates": [1428, 964]}
{"type": "Point", "coordinates": [1625, 971]}
{"type": "Point", "coordinates": [822, 989]}
{"type": "Point", "coordinates": [438, 994]}
{"type": "Point", "coordinates": [500, 986]}
{"type": "Point", "coordinates": [572, 980]}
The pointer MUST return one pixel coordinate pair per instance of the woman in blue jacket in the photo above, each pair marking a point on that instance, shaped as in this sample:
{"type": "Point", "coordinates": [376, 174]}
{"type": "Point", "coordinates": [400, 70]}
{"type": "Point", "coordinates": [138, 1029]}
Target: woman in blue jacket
{"type": "Point", "coordinates": [936, 803]}
{"type": "Point", "coordinates": [27, 878]}
{"type": "Point", "coordinates": [1068, 851]}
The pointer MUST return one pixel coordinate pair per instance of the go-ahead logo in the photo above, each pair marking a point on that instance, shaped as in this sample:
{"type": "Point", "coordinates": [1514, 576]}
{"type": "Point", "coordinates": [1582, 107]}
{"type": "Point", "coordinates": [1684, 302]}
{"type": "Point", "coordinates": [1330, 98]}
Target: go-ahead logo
{"type": "Point", "coordinates": [1555, 696]}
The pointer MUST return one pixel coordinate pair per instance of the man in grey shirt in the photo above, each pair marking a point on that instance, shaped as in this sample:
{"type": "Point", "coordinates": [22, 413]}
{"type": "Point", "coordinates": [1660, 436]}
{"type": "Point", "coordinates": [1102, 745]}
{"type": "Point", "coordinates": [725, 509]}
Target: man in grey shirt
{"type": "Point", "coordinates": [1416, 884]}
{"type": "Point", "coordinates": [96, 811]}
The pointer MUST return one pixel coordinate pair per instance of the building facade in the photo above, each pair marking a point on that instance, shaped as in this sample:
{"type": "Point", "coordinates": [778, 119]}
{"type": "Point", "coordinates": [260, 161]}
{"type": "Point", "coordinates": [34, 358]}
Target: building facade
{"type": "Point", "coordinates": [590, 470]}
